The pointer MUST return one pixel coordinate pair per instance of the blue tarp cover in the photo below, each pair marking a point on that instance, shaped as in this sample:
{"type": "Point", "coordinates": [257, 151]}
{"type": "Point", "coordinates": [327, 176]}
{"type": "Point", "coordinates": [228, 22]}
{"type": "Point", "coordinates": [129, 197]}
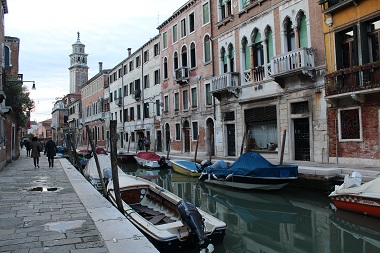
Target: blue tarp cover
{"type": "Point", "coordinates": [254, 165]}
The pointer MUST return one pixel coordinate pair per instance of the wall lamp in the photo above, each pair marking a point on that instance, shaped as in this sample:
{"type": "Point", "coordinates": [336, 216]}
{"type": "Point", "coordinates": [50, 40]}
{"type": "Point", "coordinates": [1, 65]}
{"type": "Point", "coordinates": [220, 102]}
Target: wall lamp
{"type": "Point", "coordinates": [20, 82]}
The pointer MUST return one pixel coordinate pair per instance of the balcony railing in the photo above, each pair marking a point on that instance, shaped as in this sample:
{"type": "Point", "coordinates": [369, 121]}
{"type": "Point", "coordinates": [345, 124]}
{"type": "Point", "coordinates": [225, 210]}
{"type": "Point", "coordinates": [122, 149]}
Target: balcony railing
{"type": "Point", "coordinates": [257, 74]}
{"type": "Point", "coordinates": [301, 59]}
{"type": "Point", "coordinates": [119, 101]}
{"type": "Point", "coordinates": [182, 74]}
{"type": "Point", "coordinates": [227, 82]}
{"type": "Point", "coordinates": [363, 77]}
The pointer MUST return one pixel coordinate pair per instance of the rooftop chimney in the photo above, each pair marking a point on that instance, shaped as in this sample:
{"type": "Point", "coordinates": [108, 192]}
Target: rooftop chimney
{"type": "Point", "coordinates": [100, 66]}
{"type": "Point", "coordinates": [129, 51]}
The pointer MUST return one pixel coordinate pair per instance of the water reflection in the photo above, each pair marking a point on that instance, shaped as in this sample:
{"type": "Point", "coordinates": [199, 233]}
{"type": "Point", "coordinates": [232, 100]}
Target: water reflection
{"type": "Point", "coordinates": [288, 220]}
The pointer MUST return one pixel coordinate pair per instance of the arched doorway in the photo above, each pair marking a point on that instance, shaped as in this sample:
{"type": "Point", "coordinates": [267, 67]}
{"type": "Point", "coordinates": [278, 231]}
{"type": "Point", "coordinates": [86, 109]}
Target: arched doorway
{"type": "Point", "coordinates": [167, 137]}
{"type": "Point", "coordinates": [210, 137]}
{"type": "Point", "coordinates": [186, 133]}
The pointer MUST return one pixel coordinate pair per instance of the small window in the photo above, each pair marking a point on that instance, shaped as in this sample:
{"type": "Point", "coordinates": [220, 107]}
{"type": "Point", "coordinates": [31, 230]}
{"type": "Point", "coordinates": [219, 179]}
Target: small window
{"type": "Point", "coordinates": [166, 103]}
{"type": "Point", "coordinates": [165, 40]}
{"type": "Point", "coordinates": [146, 81]}
{"type": "Point", "coordinates": [183, 28]}
{"type": "Point", "coordinates": [157, 77]}
{"type": "Point", "coordinates": [185, 98]}
{"type": "Point", "coordinates": [176, 101]}
{"type": "Point", "coordinates": [193, 62]}
{"type": "Point", "coordinates": [177, 132]}
{"type": "Point", "coordinates": [175, 33]}
{"type": "Point", "coordinates": [207, 48]}
{"type": "Point", "coordinates": [158, 108]}
{"type": "Point", "coordinates": [146, 56]}
{"type": "Point", "coordinates": [138, 62]}
{"type": "Point", "coordinates": [194, 100]}
{"type": "Point", "coordinates": [165, 68]}
{"type": "Point", "coordinates": [205, 13]}
{"type": "Point", "coordinates": [350, 128]}
{"type": "Point", "coordinates": [156, 49]}
{"type": "Point", "coordinates": [191, 23]}
{"type": "Point", "coordinates": [138, 112]}
{"type": "Point", "coordinates": [195, 131]}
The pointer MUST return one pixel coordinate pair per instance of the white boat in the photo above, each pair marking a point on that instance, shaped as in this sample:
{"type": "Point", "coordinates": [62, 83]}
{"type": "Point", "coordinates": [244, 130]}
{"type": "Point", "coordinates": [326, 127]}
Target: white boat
{"type": "Point", "coordinates": [150, 160]}
{"type": "Point", "coordinates": [91, 172]}
{"type": "Point", "coordinates": [356, 197]}
{"type": "Point", "coordinates": [169, 222]}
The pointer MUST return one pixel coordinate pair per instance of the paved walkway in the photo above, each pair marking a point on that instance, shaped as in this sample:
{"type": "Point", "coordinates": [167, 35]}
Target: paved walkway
{"type": "Point", "coordinates": [57, 210]}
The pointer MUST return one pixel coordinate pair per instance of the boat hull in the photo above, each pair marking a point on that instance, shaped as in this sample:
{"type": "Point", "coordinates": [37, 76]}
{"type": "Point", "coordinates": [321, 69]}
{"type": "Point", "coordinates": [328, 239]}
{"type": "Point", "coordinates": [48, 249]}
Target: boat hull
{"type": "Point", "coordinates": [183, 167]}
{"type": "Point", "coordinates": [357, 204]}
{"type": "Point", "coordinates": [247, 183]}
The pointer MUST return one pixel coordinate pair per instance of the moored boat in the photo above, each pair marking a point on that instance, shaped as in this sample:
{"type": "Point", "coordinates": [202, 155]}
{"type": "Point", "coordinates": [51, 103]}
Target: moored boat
{"type": "Point", "coordinates": [169, 222]}
{"type": "Point", "coordinates": [151, 160]}
{"type": "Point", "coordinates": [125, 157]}
{"type": "Point", "coordinates": [186, 167]}
{"type": "Point", "coordinates": [357, 197]}
{"type": "Point", "coordinates": [250, 171]}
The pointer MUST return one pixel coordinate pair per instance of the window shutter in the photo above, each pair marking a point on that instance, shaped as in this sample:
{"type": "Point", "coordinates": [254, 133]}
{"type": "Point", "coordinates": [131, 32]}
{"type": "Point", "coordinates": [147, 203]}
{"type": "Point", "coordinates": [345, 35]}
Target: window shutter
{"type": "Point", "coordinates": [355, 59]}
{"type": "Point", "coordinates": [364, 43]}
{"type": "Point", "coordinates": [338, 51]}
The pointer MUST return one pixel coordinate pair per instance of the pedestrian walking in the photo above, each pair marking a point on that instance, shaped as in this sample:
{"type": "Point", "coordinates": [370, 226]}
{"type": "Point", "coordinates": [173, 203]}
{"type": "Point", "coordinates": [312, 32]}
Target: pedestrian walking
{"type": "Point", "coordinates": [36, 149]}
{"type": "Point", "coordinates": [27, 146]}
{"type": "Point", "coordinates": [50, 151]}
{"type": "Point", "coordinates": [146, 144]}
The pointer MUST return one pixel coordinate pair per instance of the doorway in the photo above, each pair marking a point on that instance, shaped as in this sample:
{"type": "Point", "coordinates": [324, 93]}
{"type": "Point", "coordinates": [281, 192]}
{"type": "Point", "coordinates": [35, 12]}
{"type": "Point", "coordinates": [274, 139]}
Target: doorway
{"type": "Point", "coordinates": [186, 131]}
{"type": "Point", "coordinates": [231, 148]}
{"type": "Point", "coordinates": [302, 139]}
{"type": "Point", "coordinates": [210, 137]}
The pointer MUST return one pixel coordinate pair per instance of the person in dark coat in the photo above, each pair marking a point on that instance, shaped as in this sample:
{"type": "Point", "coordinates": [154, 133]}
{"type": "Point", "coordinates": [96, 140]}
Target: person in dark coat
{"type": "Point", "coordinates": [27, 146]}
{"type": "Point", "coordinates": [36, 149]}
{"type": "Point", "coordinates": [50, 151]}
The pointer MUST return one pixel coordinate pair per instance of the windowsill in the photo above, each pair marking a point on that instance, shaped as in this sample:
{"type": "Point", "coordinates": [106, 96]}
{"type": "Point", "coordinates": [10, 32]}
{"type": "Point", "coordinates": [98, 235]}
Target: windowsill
{"type": "Point", "coordinates": [225, 21]}
{"type": "Point", "coordinates": [207, 63]}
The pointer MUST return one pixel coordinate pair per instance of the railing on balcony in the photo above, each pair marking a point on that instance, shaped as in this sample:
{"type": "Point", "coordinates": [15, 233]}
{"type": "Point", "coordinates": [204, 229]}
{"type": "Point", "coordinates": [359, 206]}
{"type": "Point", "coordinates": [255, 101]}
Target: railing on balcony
{"type": "Point", "coordinates": [301, 59]}
{"type": "Point", "coordinates": [361, 77]}
{"type": "Point", "coordinates": [227, 82]}
{"type": "Point", "coordinates": [257, 74]}
{"type": "Point", "coordinates": [182, 74]}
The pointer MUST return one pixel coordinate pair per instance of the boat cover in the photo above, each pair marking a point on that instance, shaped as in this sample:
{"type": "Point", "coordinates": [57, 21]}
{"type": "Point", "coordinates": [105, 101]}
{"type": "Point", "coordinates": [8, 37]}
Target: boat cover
{"type": "Point", "coordinates": [104, 162]}
{"type": "Point", "coordinates": [371, 187]}
{"type": "Point", "coordinates": [252, 164]}
{"type": "Point", "coordinates": [150, 156]}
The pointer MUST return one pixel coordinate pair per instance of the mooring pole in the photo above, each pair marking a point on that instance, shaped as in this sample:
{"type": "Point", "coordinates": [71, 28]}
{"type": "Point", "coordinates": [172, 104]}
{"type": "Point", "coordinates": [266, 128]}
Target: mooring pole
{"type": "Point", "coordinates": [115, 175]}
{"type": "Point", "coordinates": [282, 147]}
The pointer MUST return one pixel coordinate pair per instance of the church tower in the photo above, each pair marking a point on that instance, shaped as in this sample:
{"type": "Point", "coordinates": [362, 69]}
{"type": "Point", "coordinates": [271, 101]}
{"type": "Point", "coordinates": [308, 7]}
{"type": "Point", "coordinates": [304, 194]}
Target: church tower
{"type": "Point", "coordinates": [78, 66]}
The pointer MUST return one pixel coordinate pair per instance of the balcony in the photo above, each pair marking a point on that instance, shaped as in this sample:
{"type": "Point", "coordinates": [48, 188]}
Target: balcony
{"type": "Point", "coordinates": [182, 75]}
{"type": "Point", "coordinates": [257, 74]}
{"type": "Point", "coordinates": [225, 83]}
{"type": "Point", "coordinates": [330, 6]}
{"type": "Point", "coordinates": [137, 95]}
{"type": "Point", "coordinates": [359, 79]}
{"type": "Point", "coordinates": [299, 61]}
{"type": "Point", "coordinates": [119, 101]}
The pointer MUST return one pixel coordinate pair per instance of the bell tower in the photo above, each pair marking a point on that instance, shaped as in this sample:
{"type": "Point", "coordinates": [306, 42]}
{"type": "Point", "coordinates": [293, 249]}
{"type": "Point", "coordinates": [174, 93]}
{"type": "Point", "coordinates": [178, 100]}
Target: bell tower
{"type": "Point", "coordinates": [78, 66]}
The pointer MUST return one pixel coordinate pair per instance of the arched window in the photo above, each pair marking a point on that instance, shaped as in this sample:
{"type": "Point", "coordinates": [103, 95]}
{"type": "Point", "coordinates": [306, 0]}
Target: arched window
{"type": "Point", "coordinates": [231, 55]}
{"type": "Point", "coordinates": [165, 68]}
{"type": "Point", "coordinates": [175, 60]}
{"type": "Point", "coordinates": [246, 53]}
{"type": "Point", "coordinates": [184, 56]}
{"type": "Point", "coordinates": [289, 35]}
{"type": "Point", "coordinates": [269, 40]}
{"type": "Point", "coordinates": [193, 62]}
{"type": "Point", "coordinates": [207, 48]}
{"type": "Point", "coordinates": [223, 58]}
{"type": "Point", "coordinates": [302, 30]}
{"type": "Point", "coordinates": [258, 49]}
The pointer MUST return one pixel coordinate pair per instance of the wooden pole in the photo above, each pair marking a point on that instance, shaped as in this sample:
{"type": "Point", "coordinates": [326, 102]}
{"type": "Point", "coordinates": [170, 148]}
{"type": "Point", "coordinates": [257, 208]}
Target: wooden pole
{"type": "Point", "coordinates": [115, 175]}
{"type": "Point", "coordinates": [211, 145]}
{"type": "Point", "coordinates": [167, 154]}
{"type": "Point", "coordinates": [282, 147]}
{"type": "Point", "coordinates": [96, 160]}
{"type": "Point", "coordinates": [129, 143]}
{"type": "Point", "coordinates": [196, 150]}
{"type": "Point", "coordinates": [242, 145]}
{"type": "Point", "coordinates": [70, 149]}
{"type": "Point", "coordinates": [79, 166]}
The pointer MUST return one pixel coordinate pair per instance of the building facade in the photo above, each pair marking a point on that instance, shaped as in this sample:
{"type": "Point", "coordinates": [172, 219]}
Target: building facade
{"type": "Point", "coordinates": [351, 33]}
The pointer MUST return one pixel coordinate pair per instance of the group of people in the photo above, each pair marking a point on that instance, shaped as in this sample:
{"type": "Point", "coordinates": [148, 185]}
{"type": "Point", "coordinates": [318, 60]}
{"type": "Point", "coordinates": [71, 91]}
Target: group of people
{"type": "Point", "coordinates": [34, 149]}
{"type": "Point", "coordinates": [144, 143]}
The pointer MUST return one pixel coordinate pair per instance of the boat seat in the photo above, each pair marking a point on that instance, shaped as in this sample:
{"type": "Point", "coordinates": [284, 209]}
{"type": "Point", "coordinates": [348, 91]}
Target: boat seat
{"type": "Point", "coordinates": [157, 219]}
{"type": "Point", "coordinates": [144, 209]}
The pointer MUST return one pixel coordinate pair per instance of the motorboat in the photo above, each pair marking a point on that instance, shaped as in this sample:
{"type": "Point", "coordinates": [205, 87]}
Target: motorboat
{"type": "Point", "coordinates": [186, 167]}
{"type": "Point", "coordinates": [91, 172]}
{"type": "Point", "coordinates": [250, 171]}
{"type": "Point", "coordinates": [151, 160]}
{"type": "Point", "coordinates": [354, 196]}
{"type": "Point", "coordinates": [169, 222]}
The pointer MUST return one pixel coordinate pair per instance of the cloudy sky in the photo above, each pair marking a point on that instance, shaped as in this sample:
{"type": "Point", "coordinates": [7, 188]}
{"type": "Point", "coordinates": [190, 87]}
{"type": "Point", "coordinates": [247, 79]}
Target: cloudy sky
{"type": "Point", "coordinates": [47, 29]}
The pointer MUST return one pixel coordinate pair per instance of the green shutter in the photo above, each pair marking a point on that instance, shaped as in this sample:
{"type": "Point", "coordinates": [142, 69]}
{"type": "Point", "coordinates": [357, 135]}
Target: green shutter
{"type": "Point", "coordinates": [257, 38]}
{"type": "Point", "coordinates": [270, 45]}
{"type": "Point", "coordinates": [303, 32]}
{"type": "Point", "coordinates": [247, 57]}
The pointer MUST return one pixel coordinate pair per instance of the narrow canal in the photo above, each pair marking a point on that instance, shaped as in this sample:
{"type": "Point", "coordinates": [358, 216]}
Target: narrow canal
{"type": "Point", "coordinates": [288, 220]}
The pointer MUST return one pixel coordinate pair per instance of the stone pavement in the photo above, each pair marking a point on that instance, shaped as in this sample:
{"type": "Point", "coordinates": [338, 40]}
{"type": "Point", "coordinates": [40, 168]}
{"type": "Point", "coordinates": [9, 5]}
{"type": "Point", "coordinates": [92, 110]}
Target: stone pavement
{"type": "Point", "coordinates": [57, 210]}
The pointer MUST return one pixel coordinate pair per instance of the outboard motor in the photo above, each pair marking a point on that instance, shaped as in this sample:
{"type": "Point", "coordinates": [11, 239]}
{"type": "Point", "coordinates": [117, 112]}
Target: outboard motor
{"type": "Point", "coordinates": [192, 219]}
{"type": "Point", "coordinates": [204, 164]}
{"type": "Point", "coordinates": [162, 162]}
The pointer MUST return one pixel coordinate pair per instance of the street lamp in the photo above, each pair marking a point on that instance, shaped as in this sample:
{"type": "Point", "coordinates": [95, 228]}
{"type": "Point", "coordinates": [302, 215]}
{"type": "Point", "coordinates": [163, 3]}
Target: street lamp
{"type": "Point", "coordinates": [20, 81]}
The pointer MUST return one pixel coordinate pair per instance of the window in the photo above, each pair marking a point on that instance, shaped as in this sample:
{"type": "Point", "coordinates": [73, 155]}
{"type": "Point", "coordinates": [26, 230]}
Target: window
{"type": "Point", "coordinates": [262, 124]}
{"type": "Point", "coordinates": [125, 112]}
{"type": "Point", "coordinates": [156, 49]}
{"type": "Point", "coordinates": [185, 98]}
{"type": "Point", "coordinates": [176, 101]}
{"type": "Point", "coordinates": [194, 101]}
{"type": "Point", "coordinates": [165, 68]}
{"type": "Point", "coordinates": [290, 35]}
{"type": "Point", "coordinates": [246, 54]}
{"type": "Point", "coordinates": [193, 62]}
{"type": "Point", "coordinates": [346, 48]}
{"type": "Point", "coordinates": [138, 61]}
{"type": "Point", "coordinates": [191, 23]}
{"type": "Point", "coordinates": [208, 94]}
{"type": "Point", "coordinates": [225, 9]}
{"type": "Point", "coordinates": [205, 13]}
{"type": "Point", "coordinates": [132, 114]}
{"type": "Point", "coordinates": [175, 33]}
{"type": "Point", "coordinates": [207, 48]}
{"type": "Point", "coordinates": [146, 81]}
{"type": "Point", "coordinates": [131, 90]}
{"type": "Point", "coordinates": [183, 28]}
{"type": "Point", "coordinates": [165, 40]}
{"type": "Point", "coordinates": [166, 103]}
{"type": "Point", "coordinates": [269, 49]}
{"type": "Point", "coordinates": [137, 86]}
{"type": "Point", "coordinates": [373, 29]}
{"type": "Point", "coordinates": [175, 60]}
{"type": "Point", "coordinates": [146, 56]}
{"type": "Point", "coordinates": [125, 69]}
{"type": "Point", "coordinates": [7, 56]}
{"type": "Point", "coordinates": [195, 131]}
{"type": "Point", "coordinates": [184, 56]}
{"type": "Point", "coordinates": [349, 120]}
{"type": "Point", "coordinates": [157, 77]}
{"type": "Point", "coordinates": [120, 116]}
{"type": "Point", "coordinates": [125, 90]}
{"type": "Point", "coordinates": [245, 3]}
{"type": "Point", "coordinates": [119, 72]}
{"type": "Point", "coordinates": [146, 110]}
{"type": "Point", "coordinates": [302, 31]}
{"type": "Point", "coordinates": [138, 112]}
{"type": "Point", "coordinates": [158, 108]}
{"type": "Point", "coordinates": [130, 66]}
{"type": "Point", "coordinates": [177, 131]}
{"type": "Point", "coordinates": [258, 50]}
{"type": "Point", "coordinates": [133, 136]}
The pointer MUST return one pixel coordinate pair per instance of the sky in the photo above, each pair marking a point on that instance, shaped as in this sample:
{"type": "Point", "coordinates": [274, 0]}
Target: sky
{"type": "Point", "coordinates": [47, 29]}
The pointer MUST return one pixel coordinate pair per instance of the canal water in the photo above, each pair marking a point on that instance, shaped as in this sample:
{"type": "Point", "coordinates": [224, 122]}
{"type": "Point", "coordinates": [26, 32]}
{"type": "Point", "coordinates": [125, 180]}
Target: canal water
{"type": "Point", "coordinates": [288, 220]}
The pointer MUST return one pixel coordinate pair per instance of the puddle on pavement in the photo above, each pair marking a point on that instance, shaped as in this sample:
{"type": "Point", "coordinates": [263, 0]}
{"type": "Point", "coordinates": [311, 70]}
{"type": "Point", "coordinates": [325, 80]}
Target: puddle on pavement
{"type": "Point", "coordinates": [44, 189]}
{"type": "Point", "coordinates": [62, 227]}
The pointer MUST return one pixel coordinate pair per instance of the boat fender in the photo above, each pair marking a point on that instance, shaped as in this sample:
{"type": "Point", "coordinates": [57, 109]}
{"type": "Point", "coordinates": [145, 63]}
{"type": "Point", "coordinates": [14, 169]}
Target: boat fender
{"type": "Point", "coordinates": [192, 219]}
{"type": "Point", "coordinates": [229, 176]}
{"type": "Point", "coordinates": [107, 172]}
